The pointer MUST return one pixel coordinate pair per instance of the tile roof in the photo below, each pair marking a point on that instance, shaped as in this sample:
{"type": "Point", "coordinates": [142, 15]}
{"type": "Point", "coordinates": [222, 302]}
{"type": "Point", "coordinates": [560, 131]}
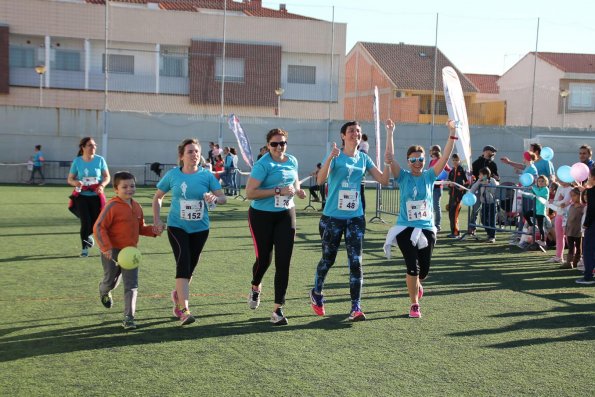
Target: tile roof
{"type": "Point", "coordinates": [250, 8]}
{"type": "Point", "coordinates": [412, 66]}
{"type": "Point", "coordinates": [570, 63]}
{"type": "Point", "coordinates": [485, 83]}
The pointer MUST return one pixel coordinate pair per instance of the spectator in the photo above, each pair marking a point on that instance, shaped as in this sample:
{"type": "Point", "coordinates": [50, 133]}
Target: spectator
{"type": "Point", "coordinates": [364, 146]}
{"type": "Point", "coordinates": [485, 160]}
{"type": "Point", "coordinates": [38, 161]}
{"type": "Point", "coordinates": [210, 154]}
{"type": "Point", "coordinates": [263, 151]}
{"type": "Point", "coordinates": [314, 186]}
{"type": "Point", "coordinates": [589, 233]}
{"type": "Point", "coordinates": [574, 232]}
{"type": "Point", "coordinates": [457, 175]}
{"type": "Point", "coordinates": [544, 167]}
{"type": "Point", "coordinates": [218, 168]}
{"type": "Point", "coordinates": [540, 191]}
{"type": "Point", "coordinates": [487, 195]}
{"type": "Point", "coordinates": [526, 167]}
{"type": "Point", "coordinates": [436, 153]}
{"type": "Point", "coordinates": [584, 155]}
{"type": "Point", "coordinates": [561, 200]}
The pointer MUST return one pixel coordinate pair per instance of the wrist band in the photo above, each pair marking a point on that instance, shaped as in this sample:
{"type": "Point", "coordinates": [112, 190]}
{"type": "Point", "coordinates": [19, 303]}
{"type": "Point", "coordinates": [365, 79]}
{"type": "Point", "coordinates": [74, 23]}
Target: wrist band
{"type": "Point", "coordinates": [387, 164]}
{"type": "Point", "coordinates": [454, 137]}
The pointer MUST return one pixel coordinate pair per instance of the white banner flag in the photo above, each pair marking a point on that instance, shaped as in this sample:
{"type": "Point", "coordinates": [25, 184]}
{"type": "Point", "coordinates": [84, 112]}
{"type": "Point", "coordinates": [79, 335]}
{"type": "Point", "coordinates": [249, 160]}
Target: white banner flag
{"type": "Point", "coordinates": [377, 125]}
{"type": "Point", "coordinates": [455, 104]}
{"type": "Point", "coordinates": [238, 131]}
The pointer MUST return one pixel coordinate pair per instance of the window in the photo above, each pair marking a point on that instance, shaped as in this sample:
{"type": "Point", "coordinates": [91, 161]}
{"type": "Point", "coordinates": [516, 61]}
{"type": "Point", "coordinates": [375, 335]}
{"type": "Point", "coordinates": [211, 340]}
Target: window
{"type": "Point", "coordinates": [234, 69]}
{"type": "Point", "coordinates": [297, 74]}
{"type": "Point", "coordinates": [119, 64]}
{"type": "Point", "coordinates": [582, 97]}
{"type": "Point", "coordinates": [172, 65]}
{"type": "Point", "coordinates": [22, 57]}
{"type": "Point", "coordinates": [68, 60]}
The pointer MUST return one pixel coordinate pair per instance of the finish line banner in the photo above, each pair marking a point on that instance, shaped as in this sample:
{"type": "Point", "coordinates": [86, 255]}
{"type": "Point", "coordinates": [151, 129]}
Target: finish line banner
{"type": "Point", "coordinates": [238, 131]}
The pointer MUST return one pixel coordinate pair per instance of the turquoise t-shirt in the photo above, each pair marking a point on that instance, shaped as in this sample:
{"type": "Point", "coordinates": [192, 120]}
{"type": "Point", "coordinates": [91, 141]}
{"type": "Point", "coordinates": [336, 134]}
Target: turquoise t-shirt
{"type": "Point", "coordinates": [272, 174]}
{"type": "Point", "coordinates": [37, 159]}
{"type": "Point", "coordinates": [543, 192]}
{"type": "Point", "coordinates": [345, 177]}
{"type": "Point", "coordinates": [530, 169]}
{"type": "Point", "coordinates": [89, 172]}
{"type": "Point", "coordinates": [417, 190]}
{"type": "Point", "coordinates": [544, 167]}
{"type": "Point", "coordinates": [188, 209]}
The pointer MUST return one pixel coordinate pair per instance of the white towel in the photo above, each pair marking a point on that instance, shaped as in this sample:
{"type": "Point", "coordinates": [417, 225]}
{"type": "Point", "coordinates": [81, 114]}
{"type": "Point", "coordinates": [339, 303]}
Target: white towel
{"type": "Point", "coordinates": [417, 238]}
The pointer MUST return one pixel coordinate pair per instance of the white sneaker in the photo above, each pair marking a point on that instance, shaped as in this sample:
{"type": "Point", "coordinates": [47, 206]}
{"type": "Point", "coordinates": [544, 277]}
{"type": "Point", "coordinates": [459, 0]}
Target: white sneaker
{"type": "Point", "coordinates": [554, 259]}
{"type": "Point", "coordinates": [253, 299]}
{"type": "Point", "coordinates": [580, 266]}
{"type": "Point", "coordinates": [278, 318]}
{"type": "Point", "coordinates": [90, 241]}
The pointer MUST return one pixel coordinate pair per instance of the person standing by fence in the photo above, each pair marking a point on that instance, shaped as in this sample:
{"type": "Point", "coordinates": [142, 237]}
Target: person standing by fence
{"type": "Point", "coordinates": [38, 161]}
{"type": "Point", "coordinates": [414, 231]}
{"type": "Point", "coordinates": [436, 153]}
{"type": "Point", "coordinates": [458, 175]}
{"type": "Point", "coordinates": [343, 214]}
{"type": "Point", "coordinates": [589, 233]}
{"type": "Point", "coordinates": [484, 188]}
{"type": "Point", "coordinates": [89, 176]}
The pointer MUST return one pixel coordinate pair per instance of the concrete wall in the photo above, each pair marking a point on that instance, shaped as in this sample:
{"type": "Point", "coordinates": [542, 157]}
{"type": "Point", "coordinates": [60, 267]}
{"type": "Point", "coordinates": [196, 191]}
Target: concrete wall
{"type": "Point", "coordinates": [139, 138]}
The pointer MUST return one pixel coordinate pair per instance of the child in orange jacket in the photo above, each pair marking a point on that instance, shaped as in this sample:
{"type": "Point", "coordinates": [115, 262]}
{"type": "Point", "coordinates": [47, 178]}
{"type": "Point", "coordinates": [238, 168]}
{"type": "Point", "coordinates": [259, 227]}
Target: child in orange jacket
{"type": "Point", "coordinates": [118, 226]}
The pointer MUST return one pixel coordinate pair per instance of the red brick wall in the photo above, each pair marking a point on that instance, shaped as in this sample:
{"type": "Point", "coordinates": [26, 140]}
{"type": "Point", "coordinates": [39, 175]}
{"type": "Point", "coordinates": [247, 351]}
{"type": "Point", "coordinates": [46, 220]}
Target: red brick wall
{"type": "Point", "coordinates": [262, 74]}
{"type": "Point", "coordinates": [4, 60]}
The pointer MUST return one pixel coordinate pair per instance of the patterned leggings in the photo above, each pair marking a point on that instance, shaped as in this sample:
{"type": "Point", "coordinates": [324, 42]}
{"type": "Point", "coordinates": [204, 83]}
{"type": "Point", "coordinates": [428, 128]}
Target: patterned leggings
{"type": "Point", "coordinates": [331, 230]}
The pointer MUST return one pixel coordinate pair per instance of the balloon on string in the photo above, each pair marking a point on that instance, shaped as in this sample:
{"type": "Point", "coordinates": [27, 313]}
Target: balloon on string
{"type": "Point", "coordinates": [442, 176]}
{"type": "Point", "coordinates": [469, 199]}
{"type": "Point", "coordinates": [564, 174]}
{"type": "Point", "coordinates": [526, 179]}
{"type": "Point", "coordinates": [579, 171]}
{"type": "Point", "coordinates": [547, 153]}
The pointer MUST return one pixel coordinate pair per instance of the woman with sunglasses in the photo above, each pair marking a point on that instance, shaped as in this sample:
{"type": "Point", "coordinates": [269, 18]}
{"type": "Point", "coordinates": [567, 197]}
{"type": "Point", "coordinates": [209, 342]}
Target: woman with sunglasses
{"type": "Point", "coordinates": [271, 186]}
{"type": "Point", "coordinates": [414, 231]}
{"type": "Point", "coordinates": [89, 175]}
{"type": "Point", "coordinates": [343, 214]}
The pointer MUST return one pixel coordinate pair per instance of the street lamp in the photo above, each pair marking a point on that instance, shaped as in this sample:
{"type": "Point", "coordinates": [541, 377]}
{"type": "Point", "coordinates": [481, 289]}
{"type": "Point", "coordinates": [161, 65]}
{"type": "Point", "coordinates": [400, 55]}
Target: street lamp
{"type": "Point", "coordinates": [279, 92]}
{"type": "Point", "coordinates": [40, 70]}
{"type": "Point", "coordinates": [564, 94]}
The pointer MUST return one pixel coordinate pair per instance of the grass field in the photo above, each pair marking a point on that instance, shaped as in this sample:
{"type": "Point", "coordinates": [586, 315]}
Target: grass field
{"type": "Point", "coordinates": [497, 321]}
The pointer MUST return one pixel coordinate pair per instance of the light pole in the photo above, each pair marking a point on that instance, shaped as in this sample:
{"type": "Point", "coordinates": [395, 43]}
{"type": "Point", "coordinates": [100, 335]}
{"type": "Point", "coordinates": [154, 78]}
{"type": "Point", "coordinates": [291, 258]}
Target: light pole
{"type": "Point", "coordinates": [279, 92]}
{"type": "Point", "coordinates": [564, 94]}
{"type": "Point", "coordinates": [40, 70]}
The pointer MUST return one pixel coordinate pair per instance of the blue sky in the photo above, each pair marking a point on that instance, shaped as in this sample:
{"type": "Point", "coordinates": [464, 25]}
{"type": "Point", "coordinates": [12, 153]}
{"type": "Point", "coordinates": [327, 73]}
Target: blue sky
{"type": "Point", "coordinates": [477, 36]}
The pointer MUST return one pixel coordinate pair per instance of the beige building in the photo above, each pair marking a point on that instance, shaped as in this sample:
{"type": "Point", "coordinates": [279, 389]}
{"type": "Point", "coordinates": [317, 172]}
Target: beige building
{"type": "Point", "coordinates": [167, 57]}
{"type": "Point", "coordinates": [564, 94]}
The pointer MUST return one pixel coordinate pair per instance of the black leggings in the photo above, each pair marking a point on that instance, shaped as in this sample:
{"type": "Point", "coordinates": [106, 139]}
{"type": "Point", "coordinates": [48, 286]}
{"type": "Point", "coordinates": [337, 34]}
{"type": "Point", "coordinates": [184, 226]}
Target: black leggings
{"type": "Point", "coordinates": [417, 260]}
{"type": "Point", "coordinates": [89, 208]}
{"type": "Point", "coordinates": [539, 219]}
{"type": "Point", "coordinates": [187, 248]}
{"type": "Point", "coordinates": [272, 229]}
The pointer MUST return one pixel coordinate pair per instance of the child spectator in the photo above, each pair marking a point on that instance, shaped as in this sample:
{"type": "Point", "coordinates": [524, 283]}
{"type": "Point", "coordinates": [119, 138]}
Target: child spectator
{"type": "Point", "coordinates": [561, 201]}
{"type": "Point", "coordinates": [118, 226]}
{"type": "Point", "coordinates": [540, 191]}
{"type": "Point", "coordinates": [589, 233]}
{"type": "Point", "coordinates": [487, 196]}
{"type": "Point", "coordinates": [574, 232]}
{"type": "Point", "coordinates": [457, 175]}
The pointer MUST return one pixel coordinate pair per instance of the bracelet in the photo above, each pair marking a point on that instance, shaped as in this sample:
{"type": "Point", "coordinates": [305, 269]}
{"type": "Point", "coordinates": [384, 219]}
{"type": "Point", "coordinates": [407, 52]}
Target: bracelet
{"type": "Point", "coordinates": [388, 164]}
{"type": "Point", "coordinates": [454, 137]}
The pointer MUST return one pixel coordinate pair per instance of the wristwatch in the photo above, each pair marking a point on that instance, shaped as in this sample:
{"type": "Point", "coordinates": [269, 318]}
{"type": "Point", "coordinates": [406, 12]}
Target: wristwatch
{"type": "Point", "coordinates": [277, 190]}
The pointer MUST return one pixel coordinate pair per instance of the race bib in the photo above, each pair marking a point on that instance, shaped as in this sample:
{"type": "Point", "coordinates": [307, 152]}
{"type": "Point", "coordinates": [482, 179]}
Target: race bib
{"type": "Point", "coordinates": [284, 201]}
{"type": "Point", "coordinates": [90, 180]}
{"type": "Point", "coordinates": [348, 200]}
{"type": "Point", "coordinates": [192, 210]}
{"type": "Point", "coordinates": [418, 210]}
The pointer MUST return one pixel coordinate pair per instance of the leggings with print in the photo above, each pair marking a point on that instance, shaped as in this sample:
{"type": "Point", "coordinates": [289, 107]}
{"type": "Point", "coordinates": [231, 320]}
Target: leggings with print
{"type": "Point", "coordinates": [331, 230]}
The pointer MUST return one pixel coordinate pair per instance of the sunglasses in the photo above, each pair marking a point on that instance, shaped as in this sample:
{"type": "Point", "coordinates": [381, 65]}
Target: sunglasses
{"type": "Point", "coordinates": [413, 160]}
{"type": "Point", "coordinates": [275, 144]}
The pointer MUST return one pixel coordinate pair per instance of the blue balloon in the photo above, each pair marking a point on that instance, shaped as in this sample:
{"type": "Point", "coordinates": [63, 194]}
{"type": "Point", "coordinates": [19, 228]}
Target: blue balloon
{"type": "Point", "coordinates": [564, 174]}
{"type": "Point", "coordinates": [547, 153]}
{"type": "Point", "coordinates": [442, 176]}
{"type": "Point", "coordinates": [526, 179]}
{"type": "Point", "coordinates": [469, 199]}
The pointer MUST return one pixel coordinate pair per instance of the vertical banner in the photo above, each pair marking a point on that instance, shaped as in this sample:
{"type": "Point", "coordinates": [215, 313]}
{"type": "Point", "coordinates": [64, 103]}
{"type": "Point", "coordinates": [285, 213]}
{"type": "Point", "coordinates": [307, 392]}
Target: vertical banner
{"type": "Point", "coordinates": [238, 131]}
{"type": "Point", "coordinates": [377, 125]}
{"type": "Point", "coordinates": [455, 104]}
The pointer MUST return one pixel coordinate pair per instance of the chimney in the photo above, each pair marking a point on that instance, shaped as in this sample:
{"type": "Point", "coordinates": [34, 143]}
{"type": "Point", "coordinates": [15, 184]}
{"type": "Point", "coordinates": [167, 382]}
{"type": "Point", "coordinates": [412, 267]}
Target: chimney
{"type": "Point", "coordinates": [282, 7]}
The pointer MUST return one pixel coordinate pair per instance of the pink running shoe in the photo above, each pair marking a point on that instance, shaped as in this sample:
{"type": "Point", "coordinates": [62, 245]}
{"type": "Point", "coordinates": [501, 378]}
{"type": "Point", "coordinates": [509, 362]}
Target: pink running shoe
{"type": "Point", "coordinates": [357, 315]}
{"type": "Point", "coordinates": [176, 311]}
{"type": "Point", "coordinates": [317, 303]}
{"type": "Point", "coordinates": [414, 311]}
{"type": "Point", "coordinates": [186, 318]}
{"type": "Point", "coordinates": [420, 292]}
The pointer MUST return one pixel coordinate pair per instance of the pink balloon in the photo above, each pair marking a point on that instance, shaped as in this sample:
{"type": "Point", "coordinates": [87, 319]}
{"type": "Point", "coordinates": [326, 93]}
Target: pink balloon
{"type": "Point", "coordinates": [579, 171]}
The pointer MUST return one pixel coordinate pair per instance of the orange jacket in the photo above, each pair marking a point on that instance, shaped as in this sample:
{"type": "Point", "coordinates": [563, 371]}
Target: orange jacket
{"type": "Point", "coordinates": [119, 224]}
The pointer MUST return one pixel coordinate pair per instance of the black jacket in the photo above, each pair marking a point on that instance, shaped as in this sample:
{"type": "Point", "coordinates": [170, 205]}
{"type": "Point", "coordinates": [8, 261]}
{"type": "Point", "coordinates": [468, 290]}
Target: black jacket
{"type": "Point", "coordinates": [482, 162]}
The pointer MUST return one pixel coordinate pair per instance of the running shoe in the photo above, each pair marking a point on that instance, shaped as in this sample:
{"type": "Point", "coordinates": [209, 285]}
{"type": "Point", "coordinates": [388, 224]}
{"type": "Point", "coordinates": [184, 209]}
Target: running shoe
{"type": "Point", "coordinates": [554, 259]}
{"type": "Point", "coordinates": [106, 300]}
{"type": "Point", "coordinates": [176, 310]}
{"type": "Point", "coordinates": [278, 318]}
{"type": "Point", "coordinates": [580, 266]}
{"type": "Point", "coordinates": [491, 240]}
{"type": "Point", "coordinates": [356, 314]}
{"type": "Point", "coordinates": [128, 323]}
{"type": "Point", "coordinates": [420, 292]}
{"type": "Point", "coordinates": [565, 266]}
{"type": "Point", "coordinates": [90, 241]}
{"type": "Point", "coordinates": [585, 282]}
{"type": "Point", "coordinates": [414, 311]}
{"type": "Point", "coordinates": [186, 318]}
{"type": "Point", "coordinates": [253, 299]}
{"type": "Point", "coordinates": [317, 302]}
{"type": "Point", "coordinates": [84, 253]}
